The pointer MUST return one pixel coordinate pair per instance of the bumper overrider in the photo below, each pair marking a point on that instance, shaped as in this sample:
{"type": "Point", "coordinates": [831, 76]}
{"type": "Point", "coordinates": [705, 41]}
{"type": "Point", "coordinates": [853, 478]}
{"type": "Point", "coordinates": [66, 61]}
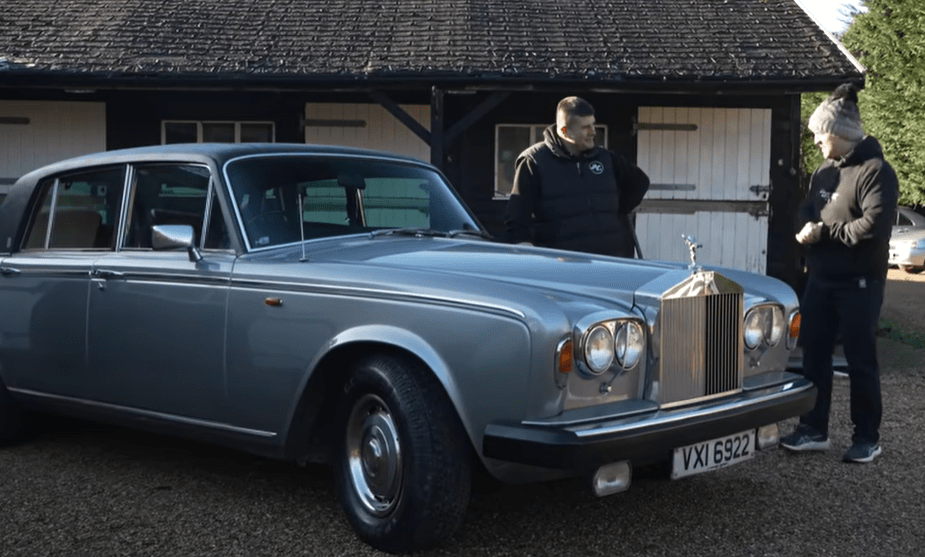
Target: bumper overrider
{"type": "Point", "coordinates": [645, 433]}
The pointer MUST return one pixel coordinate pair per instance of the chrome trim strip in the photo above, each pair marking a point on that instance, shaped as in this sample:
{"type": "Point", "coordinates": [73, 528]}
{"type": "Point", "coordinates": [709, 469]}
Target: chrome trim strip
{"type": "Point", "coordinates": [240, 284]}
{"type": "Point", "coordinates": [50, 225]}
{"type": "Point", "coordinates": [128, 196]}
{"type": "Point", "coordinates": [784, 391]}
{"type": "Point", "coordinates": [184, 279]}
{"type": "Point", "coordinates": [147, 413]}
{"type": "Point", "coordinates": [51, 272]}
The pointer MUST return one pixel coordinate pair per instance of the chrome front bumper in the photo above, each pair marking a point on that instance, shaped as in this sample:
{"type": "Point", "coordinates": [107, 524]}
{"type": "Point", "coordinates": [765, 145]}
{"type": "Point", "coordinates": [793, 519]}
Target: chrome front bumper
{"type": "Point", "coordinates": [646, 434]}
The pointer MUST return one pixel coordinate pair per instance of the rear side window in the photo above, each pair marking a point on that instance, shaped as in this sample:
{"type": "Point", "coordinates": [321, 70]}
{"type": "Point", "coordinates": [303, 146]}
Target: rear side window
{"type": "Point", "coordinates": [77, 211]}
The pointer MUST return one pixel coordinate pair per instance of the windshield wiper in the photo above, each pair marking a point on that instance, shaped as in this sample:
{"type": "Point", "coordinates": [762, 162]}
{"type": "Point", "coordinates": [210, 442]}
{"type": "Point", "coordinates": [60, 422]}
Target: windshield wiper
{"type": "Point", "coordinates": [470, 232]}
{"type": "Point", "coordinates": [410, 231]}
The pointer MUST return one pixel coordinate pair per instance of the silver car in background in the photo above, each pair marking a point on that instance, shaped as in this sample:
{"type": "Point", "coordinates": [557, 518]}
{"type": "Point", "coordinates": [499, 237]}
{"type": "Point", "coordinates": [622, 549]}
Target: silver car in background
{"type": "Point", "coordinates": [334, 305]}
{"type": "Point", "coordinates": [907, 241]}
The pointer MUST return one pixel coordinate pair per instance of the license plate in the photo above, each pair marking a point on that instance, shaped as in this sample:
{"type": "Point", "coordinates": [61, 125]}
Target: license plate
{"type": "Point", "coordinates": [710, 455]}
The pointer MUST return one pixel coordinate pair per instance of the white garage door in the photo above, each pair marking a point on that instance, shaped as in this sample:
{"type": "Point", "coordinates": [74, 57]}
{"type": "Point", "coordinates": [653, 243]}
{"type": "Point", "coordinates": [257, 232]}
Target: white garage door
{"type": "Point", "coordinates": [36, 133]}
{"type": "Point", "coordinates": [710, 173]}
{"type": "Point", "coordinates": [369, 126]}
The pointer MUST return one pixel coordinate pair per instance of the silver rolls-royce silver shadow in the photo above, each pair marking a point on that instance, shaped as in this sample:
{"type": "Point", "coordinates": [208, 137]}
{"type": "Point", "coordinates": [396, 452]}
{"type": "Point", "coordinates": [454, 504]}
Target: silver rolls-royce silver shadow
{"type": "Point", "coordinates": [322, 304]}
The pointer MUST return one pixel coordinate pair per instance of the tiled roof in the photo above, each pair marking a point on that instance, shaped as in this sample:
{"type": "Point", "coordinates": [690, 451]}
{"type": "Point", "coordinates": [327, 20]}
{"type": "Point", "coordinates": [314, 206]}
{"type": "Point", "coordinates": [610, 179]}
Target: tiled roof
{"type": "Point", "coordinates": [611, 41]}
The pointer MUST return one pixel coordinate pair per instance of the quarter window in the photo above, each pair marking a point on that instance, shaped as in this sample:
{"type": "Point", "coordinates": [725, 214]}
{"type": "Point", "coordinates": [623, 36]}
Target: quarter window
{"type": "Point", "coordinates": [84, 208]}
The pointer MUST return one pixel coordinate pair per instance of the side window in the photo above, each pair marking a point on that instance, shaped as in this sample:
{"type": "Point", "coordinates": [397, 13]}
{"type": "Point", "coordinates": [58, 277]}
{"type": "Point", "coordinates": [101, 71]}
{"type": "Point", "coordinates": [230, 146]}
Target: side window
{"type": "Point", "coordinates": [172, 194]}
{"type": "Point", "coordinates": [84, 208]}
{"type": "Point", "coordinates": [902, 220]}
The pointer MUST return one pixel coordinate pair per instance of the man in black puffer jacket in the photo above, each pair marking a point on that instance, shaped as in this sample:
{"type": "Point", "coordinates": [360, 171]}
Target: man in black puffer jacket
{"type": "Point", "coordinates": [845, 224]}
{"type": "Point", "coordinates": [570, 194]}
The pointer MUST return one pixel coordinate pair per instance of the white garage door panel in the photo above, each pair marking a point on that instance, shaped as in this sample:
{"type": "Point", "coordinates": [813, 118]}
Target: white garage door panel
{"type": "Point", "coordinates": [727, 153]}
{"type": "Point", "coordinates": [714, 157]}
{"type": "Point", "coordinates": [55, 131]}
{"type": "Point", "coordinates": [368, 126]}
{"type": "Point", "coordinates": [736, 240]}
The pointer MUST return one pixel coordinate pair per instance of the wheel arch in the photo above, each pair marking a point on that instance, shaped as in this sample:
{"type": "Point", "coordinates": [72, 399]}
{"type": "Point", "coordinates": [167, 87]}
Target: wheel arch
{"type": "Point", "coordinates": [307, 438]}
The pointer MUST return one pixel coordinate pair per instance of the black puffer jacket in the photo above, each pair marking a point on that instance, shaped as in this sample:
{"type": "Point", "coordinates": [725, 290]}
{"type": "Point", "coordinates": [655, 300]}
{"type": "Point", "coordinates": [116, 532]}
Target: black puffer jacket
{"type": "Point", "coordinates": [855, 199]}
{"type": "Point", "coordinates": [576, 203]}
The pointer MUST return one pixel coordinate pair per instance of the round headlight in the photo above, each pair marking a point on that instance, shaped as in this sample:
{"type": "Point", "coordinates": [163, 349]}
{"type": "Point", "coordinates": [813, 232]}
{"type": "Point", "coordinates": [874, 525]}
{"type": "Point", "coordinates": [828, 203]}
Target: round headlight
{"type": "Point", "coordinates": [778, 326]}
{"type": "Point", "coordinates": [755, 325]}
{"type": "Point", "coordinates": [598, 349]}
{"type": "Point", "coordinates": [629, 344]}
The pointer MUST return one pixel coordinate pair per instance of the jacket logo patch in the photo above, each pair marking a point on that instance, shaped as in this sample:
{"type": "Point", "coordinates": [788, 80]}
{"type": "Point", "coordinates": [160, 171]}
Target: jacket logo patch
{"type": "Point", "coordinates": [596, 167]}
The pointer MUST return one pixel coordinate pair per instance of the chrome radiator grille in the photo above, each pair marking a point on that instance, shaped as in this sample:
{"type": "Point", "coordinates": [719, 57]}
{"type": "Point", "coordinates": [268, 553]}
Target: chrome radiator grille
{"type": "Point", "coordinates": [700, 338]}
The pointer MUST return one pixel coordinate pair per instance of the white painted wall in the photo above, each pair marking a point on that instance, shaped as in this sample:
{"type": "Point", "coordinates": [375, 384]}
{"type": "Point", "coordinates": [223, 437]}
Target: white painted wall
{"type": "Point", "coordinates": [381, 131]}
{"type": "Point", "coordinates": [56, 130]}
{"type": "Point", "coordinates": [719, 161]}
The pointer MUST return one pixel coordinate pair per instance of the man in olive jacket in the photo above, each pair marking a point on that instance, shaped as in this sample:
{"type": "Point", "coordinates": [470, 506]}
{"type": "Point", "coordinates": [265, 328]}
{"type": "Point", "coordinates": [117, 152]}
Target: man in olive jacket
{"type": "Point", "coordinates": [845, 224]}
{"type": "Point", "coordinates": [570, 194]}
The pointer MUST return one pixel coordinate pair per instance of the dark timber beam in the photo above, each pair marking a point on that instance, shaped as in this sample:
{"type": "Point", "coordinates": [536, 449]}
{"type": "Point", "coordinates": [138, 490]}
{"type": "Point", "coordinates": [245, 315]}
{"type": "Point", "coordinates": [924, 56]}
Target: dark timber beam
{"type": "Point", "coordinates": [437, 142]}
{"type": "Point", "coordinates": [402, 116]}
{"type": "Point", "coordinates": [477, 113]}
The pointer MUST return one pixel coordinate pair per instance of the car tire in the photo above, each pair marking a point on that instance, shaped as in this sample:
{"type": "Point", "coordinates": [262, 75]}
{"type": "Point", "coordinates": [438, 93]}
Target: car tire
{"type": "Point", "coordinates": [403, 466]}
{"type": "Point", "coordinates": [911, 270]}
{"type": "Point", "coordinates": [10, 422]}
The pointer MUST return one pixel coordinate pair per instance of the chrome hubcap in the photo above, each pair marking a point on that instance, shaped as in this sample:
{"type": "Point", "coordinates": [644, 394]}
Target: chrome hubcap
{"type": "Point", "coordinates": [374, 455]}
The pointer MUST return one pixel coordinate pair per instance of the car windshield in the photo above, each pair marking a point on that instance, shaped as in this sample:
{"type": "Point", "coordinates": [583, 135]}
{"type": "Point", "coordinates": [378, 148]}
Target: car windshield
{"type": "Point", "coordinates": [335, 196]}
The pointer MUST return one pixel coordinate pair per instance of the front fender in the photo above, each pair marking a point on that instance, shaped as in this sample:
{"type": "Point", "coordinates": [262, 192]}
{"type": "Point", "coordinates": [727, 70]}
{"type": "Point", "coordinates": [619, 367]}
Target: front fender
{"type": "Point", "coordinates": [482, 362]}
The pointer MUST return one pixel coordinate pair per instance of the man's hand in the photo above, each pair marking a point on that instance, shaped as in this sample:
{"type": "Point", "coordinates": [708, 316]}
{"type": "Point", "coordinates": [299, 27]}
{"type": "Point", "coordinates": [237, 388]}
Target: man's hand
{"type": "Point", "coordinates": [811, 233]}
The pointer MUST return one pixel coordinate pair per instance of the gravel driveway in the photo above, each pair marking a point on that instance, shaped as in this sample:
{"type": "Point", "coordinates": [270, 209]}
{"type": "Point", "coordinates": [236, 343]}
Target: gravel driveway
{"type": "Point", "coordinates": [84, 490]}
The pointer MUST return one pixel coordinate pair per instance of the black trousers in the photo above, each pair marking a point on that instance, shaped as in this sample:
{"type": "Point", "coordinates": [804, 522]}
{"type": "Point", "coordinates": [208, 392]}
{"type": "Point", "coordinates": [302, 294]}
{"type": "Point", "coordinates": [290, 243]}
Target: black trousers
{"type": "Point", "coordinates": [849, 308]}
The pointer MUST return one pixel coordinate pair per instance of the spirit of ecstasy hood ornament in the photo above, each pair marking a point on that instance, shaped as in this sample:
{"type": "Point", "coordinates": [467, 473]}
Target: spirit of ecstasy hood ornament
{"type": "Point", "coordinates": [692, 245]}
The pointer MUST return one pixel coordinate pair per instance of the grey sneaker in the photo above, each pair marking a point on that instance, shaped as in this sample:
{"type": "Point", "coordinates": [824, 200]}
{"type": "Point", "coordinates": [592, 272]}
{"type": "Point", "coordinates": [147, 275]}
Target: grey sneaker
{"type": "Point", "coordinates": [862, 452]}
{"type": "Point", "coordinates": [805, 439]}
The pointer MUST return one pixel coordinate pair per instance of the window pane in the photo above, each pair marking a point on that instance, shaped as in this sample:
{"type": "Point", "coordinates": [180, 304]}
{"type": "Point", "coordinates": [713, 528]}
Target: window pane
{"type": "Point", "coordinates": [512, 140]}
{"type": "Point", "coordinates": [217, 132]}
{"type": "Point", "coordinates": [36, 237]}
{"type": "Point", "coordinates": [338, 196]}
{"type": "Point", "coordinates": [217, 236]}
{"type": "Point", "coordinates": [85, 213]}
{"type": "Point", "coordinates": [179, 132]}
{"type": "Point", "coordinates": [600, 136]}
{"type": "Point", "coordinates": [397, 202]}
{"type": "Point", "coordinates": [167, 194]}
{"type": "Point", "coordinates": [256, 133]}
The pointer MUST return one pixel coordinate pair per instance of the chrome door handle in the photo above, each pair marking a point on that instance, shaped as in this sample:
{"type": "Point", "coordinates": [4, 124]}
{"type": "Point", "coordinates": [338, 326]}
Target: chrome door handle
{"type": "Point", "coordinates": [104, 274]}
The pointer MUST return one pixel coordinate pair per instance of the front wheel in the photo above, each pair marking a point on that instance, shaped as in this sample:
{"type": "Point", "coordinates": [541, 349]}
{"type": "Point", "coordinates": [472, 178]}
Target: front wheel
{"type": "Point", "coordinates": [911, 270]}
{"type": "Point", "coordinates": [403, 466]}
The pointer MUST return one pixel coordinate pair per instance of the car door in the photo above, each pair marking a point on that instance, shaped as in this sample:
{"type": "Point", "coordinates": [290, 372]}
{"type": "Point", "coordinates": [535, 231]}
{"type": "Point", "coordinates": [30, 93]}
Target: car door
{"type": "Point", "coordinates": [157, 317]}
{"type": "Point", "coordinates": [44, 284]}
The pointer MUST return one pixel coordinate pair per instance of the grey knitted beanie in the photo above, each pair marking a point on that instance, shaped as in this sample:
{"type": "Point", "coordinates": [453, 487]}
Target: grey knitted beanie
{"type": "Point", "coordinates": [839, 114]}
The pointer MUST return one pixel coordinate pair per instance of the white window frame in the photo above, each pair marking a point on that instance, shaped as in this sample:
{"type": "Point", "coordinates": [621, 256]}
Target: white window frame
{"type": "Point", "coordinates": [199, 128]}
{"type": "Point", "coordinates": [536, 135]}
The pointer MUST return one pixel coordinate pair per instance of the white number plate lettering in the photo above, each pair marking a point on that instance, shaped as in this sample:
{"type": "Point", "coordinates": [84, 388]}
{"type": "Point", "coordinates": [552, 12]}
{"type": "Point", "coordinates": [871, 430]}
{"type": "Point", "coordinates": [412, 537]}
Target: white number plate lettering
{"type": "Point", "coordinates": [710, 455]}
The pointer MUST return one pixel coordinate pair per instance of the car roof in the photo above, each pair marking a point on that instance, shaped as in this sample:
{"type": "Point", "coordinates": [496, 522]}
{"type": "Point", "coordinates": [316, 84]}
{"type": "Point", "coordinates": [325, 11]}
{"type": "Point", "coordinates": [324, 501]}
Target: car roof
{"type": "Point", "coordinates": [13, 207]}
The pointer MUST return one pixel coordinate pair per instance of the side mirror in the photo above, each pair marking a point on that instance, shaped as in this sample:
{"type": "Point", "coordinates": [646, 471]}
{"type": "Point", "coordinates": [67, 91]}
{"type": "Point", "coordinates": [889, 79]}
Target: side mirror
{"type": "Point", "coordinates": [175, 236]}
